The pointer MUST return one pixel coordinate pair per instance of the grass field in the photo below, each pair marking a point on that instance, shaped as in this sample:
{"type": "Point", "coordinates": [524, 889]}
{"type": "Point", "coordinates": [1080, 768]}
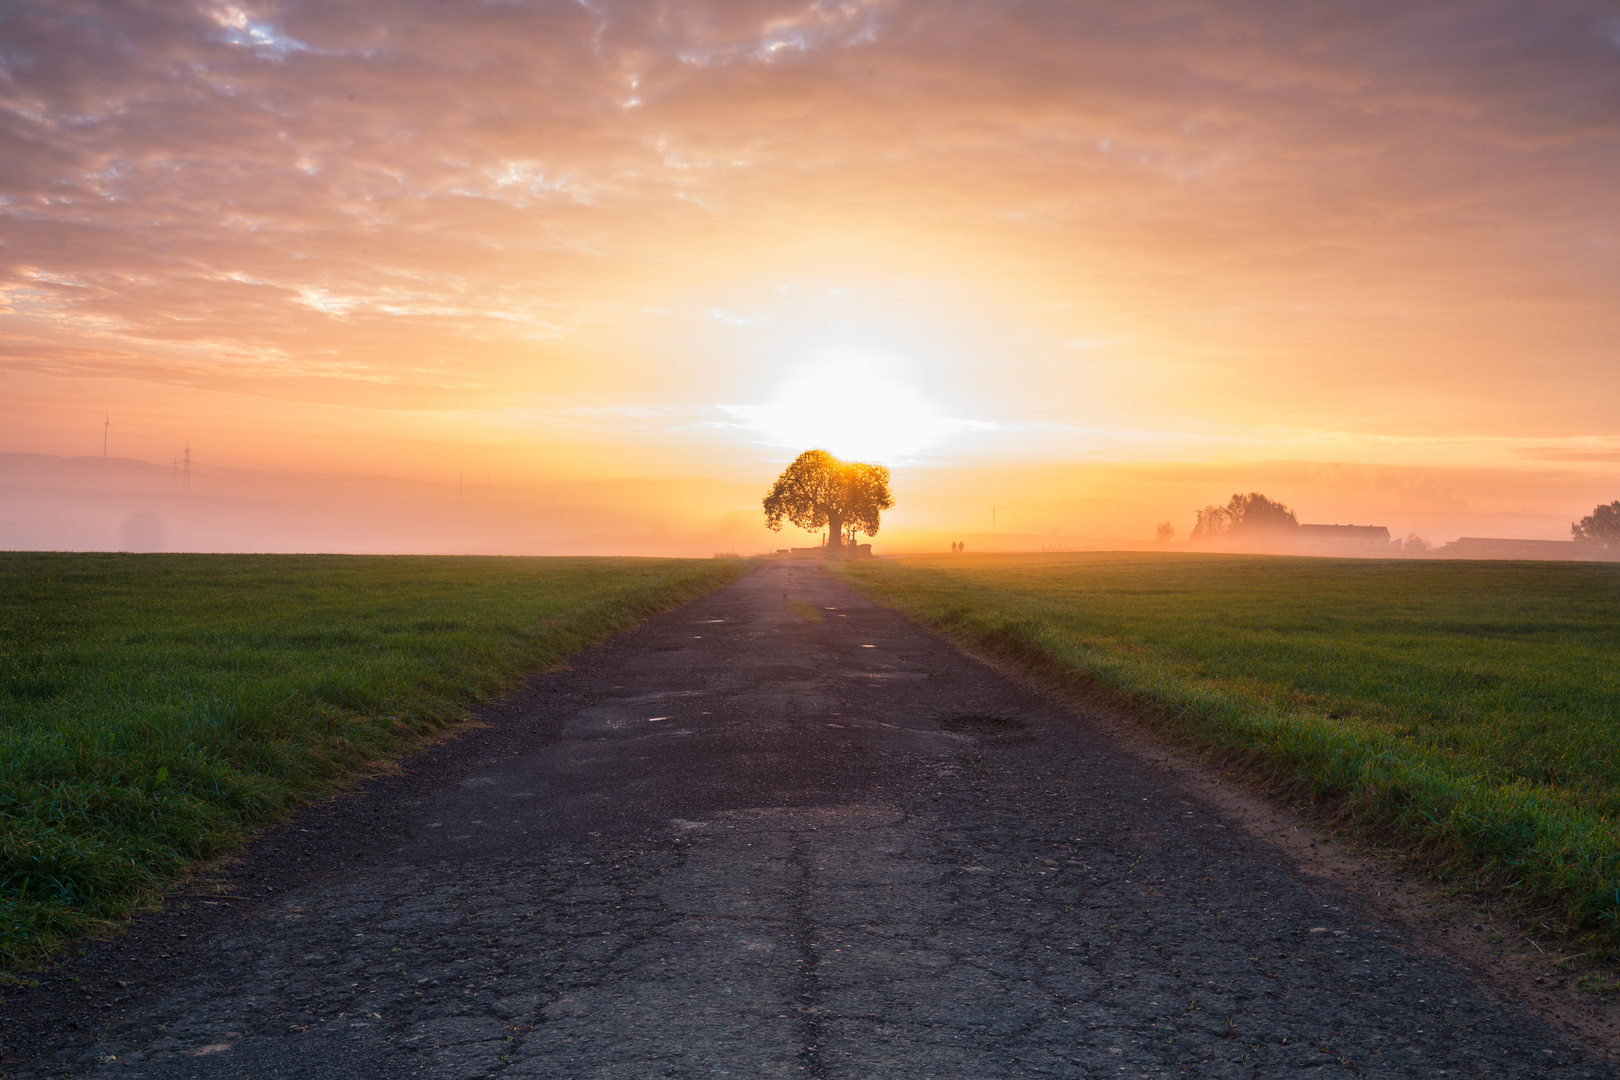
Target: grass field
{"type": "Point", "coordinates": [1466, 709]}
{"type": "Point", "coordinates": [155, 708]}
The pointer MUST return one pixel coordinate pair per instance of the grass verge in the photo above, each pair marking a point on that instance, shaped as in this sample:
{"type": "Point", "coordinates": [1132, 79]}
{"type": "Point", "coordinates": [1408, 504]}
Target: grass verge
{"type": "Point", "coordinates": [1466, 710]}
{"type": "Point", "coordinates": [155, 709]}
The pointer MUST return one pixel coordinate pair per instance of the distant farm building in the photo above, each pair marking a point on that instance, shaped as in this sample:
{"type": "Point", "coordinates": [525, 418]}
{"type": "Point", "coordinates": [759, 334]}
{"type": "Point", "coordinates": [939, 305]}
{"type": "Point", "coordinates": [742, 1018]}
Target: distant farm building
{"type": "Point", "coordinates": [1344, 539]}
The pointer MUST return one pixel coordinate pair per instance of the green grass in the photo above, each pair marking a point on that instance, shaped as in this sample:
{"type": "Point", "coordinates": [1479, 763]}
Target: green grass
{"type": "Point", "coordinates": [1466, 709]}
{"type": "Point", "coordinates": [155, 709]}
{"type": "Point", "coordinates": [805, 610]}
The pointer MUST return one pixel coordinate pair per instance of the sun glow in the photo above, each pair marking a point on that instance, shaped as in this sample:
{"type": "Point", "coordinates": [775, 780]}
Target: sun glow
{"type": "Point", "coordinates": [853, 406]}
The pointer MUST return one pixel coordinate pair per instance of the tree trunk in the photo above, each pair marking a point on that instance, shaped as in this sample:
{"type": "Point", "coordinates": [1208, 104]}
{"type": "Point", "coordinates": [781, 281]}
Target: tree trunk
{"type": "Point", "coordinates": [835, 536]}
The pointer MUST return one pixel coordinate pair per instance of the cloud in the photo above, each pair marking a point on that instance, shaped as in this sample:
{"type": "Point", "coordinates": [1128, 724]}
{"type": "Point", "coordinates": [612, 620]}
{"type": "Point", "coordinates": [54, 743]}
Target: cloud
{"type": "Point", "coordinates": [1367, 217]}
{"type": "Point", "coordinates": [1560, 453]}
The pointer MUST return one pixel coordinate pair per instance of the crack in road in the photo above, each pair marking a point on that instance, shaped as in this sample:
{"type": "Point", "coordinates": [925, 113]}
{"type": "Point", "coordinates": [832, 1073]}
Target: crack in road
{"type": "Point", "coordinates": [804, 934]}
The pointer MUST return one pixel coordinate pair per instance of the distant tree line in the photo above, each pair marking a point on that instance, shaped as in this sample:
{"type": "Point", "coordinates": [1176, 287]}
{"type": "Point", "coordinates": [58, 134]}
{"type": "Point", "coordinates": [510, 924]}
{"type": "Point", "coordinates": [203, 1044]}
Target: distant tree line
{"type": "Point", "coordinates": [1255, 517]}
{"type": "Point", "coordinates": [1600, 528]}
{"type": "Point", "coordinates": [1251, 516]}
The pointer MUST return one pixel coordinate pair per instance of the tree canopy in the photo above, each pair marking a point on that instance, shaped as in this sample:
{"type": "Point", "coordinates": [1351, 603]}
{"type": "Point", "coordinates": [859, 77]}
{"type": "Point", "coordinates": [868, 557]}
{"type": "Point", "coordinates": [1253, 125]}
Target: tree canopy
{"type": "Point", "coordinates": [819, 491]}
{"type": "Point", "coordinates": [1600, 528]}
{"type": "Point", "coordinates": [1250, 515]}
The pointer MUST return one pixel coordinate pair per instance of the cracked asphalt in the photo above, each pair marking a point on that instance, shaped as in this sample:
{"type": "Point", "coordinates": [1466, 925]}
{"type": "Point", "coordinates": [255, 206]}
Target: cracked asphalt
{"type": "Point", "coordinates": [736, 842]}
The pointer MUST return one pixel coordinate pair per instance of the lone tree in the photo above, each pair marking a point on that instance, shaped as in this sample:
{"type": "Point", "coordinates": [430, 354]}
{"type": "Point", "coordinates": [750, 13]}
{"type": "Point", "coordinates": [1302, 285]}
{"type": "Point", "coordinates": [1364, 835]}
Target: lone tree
{"type": "Point", "coordinates": [1252, 515]}
{"type": "Point", "coordinates": [818, 490]}
{"type": "Point", "coordinates": [1600, 528]}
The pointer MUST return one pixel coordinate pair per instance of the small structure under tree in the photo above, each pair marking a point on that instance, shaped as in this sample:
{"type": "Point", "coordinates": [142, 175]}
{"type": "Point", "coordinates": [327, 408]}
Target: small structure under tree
{"type": "Point", "coordinates": [819, 491]}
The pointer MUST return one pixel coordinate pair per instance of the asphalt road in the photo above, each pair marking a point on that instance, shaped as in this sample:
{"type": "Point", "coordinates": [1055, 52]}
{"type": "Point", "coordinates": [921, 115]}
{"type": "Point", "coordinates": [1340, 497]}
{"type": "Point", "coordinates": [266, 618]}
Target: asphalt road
{"type": "Point", "coordinates": [735, 842]}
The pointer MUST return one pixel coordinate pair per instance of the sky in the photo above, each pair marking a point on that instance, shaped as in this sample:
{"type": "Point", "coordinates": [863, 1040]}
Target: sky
{"type": "Point", "coordinates": [1096, 263]}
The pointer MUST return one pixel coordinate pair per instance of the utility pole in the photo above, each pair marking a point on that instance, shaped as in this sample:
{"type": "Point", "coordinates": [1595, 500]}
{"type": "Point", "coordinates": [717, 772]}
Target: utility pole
{"type": "Point", "coordinates": [105, 425]}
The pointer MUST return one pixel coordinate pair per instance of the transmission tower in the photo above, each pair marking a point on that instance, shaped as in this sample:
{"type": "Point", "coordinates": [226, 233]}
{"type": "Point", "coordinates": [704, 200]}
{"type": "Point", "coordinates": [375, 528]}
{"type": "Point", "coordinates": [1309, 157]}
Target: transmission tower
{"type": "Point", "coordinates": [106, 424]}
{"type": "Point", "coordinates": [185, 470]}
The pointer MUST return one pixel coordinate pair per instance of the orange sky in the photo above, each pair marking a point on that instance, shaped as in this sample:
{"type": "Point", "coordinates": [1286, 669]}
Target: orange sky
{"type": "Point", "coordinates": [1065, 245]}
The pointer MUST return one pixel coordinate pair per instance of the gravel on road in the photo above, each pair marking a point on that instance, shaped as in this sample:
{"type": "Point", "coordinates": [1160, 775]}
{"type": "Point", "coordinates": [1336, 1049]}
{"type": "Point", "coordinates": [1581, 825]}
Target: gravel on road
{"type": "Point", "coordinates": [739, 842]}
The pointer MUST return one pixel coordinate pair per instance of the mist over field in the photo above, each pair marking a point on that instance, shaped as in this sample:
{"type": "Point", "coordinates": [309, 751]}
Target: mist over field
{"type": "Point", "coordinates": [51, 503]}
{"type": "Point", "coordinates": [91, 504]}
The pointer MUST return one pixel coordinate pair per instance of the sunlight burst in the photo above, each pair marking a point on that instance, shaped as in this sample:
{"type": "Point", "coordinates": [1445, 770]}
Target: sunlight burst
{"type": "Point", "coordinates": [851, 406]}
